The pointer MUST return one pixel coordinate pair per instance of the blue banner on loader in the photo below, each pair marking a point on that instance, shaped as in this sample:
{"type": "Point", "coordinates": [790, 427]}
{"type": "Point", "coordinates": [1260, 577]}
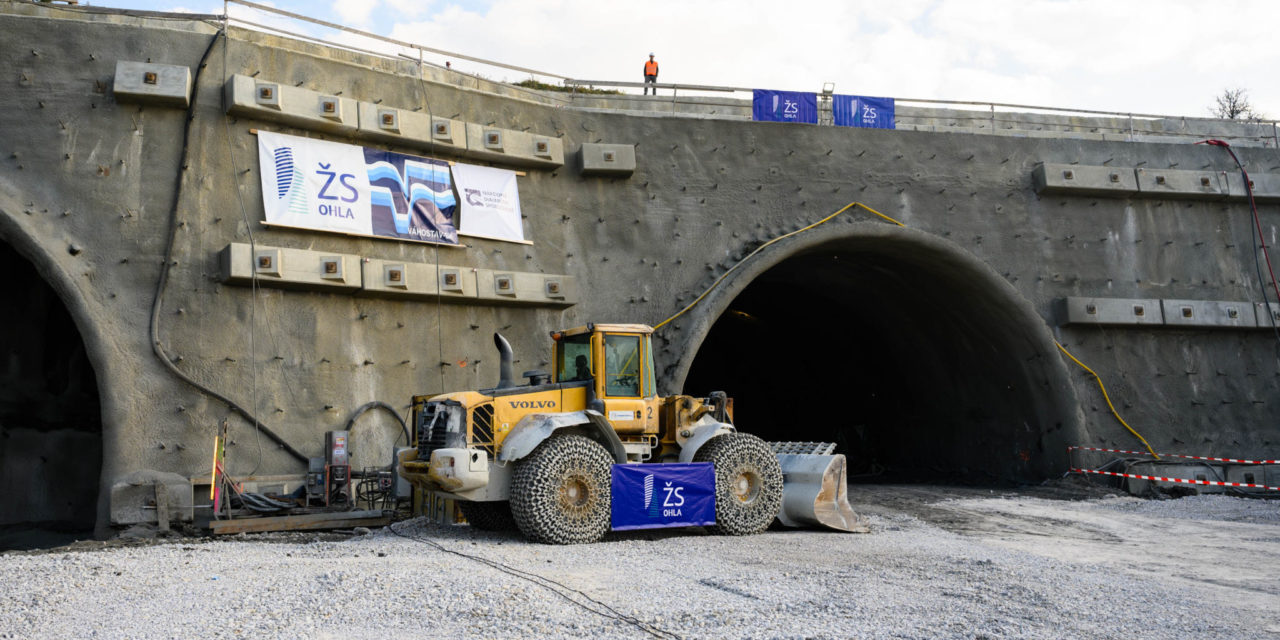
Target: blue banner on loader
{"type": "Point", "coordinates": [649, 496]}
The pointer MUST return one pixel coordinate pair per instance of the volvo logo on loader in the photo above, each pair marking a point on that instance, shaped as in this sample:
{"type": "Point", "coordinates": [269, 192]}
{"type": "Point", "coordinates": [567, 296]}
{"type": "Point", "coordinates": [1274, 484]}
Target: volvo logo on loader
{"type": "Point", "coordinates": [533, 404]}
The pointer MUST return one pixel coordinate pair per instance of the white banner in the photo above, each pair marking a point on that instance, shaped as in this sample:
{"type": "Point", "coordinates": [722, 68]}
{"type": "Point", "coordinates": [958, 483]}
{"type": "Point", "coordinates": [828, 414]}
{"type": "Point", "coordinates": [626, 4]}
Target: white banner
{"type": "Point", "coordinates": [490, 203]}
{"type": "Point", "coordinates": [313, 184]}
{"type": "Point", "coordinates": [329, 186]}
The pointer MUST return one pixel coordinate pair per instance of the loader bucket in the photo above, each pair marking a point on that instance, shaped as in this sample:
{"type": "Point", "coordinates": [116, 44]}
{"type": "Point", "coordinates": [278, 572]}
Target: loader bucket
{"type": "Point", "coordinates": [815, 492]}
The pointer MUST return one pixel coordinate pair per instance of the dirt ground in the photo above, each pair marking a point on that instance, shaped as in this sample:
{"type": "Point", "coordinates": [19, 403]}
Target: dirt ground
{"type": "Point", "coordinates": [1219, 553]}
{"type": "Point", "coordinates": [1225, 549]}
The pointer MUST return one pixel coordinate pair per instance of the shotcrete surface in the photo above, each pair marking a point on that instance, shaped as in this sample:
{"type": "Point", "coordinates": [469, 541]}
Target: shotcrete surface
{"type": "Point", "coordinates": [89, 196]}
{"type": "Point", "coordinates": [940, 563]}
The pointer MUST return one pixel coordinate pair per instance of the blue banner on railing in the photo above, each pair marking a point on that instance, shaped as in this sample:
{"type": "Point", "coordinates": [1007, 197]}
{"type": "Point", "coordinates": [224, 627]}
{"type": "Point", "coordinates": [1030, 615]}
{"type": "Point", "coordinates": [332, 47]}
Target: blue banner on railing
{"type": "Point", "coordinates": [647, 496]}
{"type": "Point", "coordinates": [862, 111]}
{"type": "Point", "coordinates": [784, 106]}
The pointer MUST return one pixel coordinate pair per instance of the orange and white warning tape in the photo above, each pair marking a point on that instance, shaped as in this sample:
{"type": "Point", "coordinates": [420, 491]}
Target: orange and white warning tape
{"type": "Point", "coordinates": [1174, 455]}
{"type": "Point", "coordinates": [1182, 480]}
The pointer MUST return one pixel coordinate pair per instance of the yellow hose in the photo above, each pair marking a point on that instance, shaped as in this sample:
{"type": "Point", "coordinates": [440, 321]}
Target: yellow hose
{"type": "Point", "coordinates": [761, 247]}
{"type": "Point", "coordinates": [1108, 399]}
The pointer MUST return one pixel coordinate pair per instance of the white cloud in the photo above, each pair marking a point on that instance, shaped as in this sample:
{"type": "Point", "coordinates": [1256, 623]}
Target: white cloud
{"type": "Point", "coordinates": [409, 8]}
{"type": "Point", "coordinates": [354, 13]}
{"type": "Point", "coordinates": [206, 10]}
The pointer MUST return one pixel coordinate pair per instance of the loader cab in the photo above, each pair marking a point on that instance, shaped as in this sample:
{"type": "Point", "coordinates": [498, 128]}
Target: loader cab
{"type": "Point", "coordinates": [618, 360]}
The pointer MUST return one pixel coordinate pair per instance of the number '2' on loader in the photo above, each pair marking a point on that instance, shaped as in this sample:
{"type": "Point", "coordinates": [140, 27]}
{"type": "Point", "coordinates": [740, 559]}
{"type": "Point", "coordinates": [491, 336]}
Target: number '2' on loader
{"type": "Point", "coordinates": [538, 456]}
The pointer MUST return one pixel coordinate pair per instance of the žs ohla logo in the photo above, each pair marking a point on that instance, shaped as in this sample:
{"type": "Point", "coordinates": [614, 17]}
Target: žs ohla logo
{"type": "Point", "coordinates": [336, 187]}
{"type": "Point", "coordinates": [670, 502]}
{"type": "Point", "coordinates": [289, 181]}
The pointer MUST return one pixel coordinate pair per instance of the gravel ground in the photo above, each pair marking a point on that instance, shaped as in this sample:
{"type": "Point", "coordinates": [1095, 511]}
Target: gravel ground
{"type": "Point", "coordinates": [1010, 566]}
{"type": "Point", "coordinates": [1205, 507]}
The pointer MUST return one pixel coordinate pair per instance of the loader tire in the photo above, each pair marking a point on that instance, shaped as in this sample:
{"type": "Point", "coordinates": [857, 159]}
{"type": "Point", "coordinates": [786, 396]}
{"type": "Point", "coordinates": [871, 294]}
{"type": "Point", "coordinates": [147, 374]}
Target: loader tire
{"type": "Point", "coordinates": [560, 493]}
{"type": "Point", "coordinates": [748, 483]}
{"type": "Point", "coordinates": [488, 516]}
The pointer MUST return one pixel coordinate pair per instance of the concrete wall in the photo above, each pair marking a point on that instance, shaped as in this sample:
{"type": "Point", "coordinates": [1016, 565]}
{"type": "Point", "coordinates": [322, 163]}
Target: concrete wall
{"type": "Point", "coordinates": [87, 186]}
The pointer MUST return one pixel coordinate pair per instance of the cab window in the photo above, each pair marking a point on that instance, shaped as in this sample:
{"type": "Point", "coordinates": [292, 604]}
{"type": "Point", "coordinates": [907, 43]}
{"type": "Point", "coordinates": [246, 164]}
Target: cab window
{"type": "Point", "coordinates": [575, 358]}
{"type": "Point", "coordinates": [622, 366]}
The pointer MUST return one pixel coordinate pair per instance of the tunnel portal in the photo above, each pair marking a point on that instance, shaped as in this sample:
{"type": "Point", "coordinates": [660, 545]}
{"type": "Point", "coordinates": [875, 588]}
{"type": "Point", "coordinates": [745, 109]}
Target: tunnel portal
{"type": "Point", "coordinates": [913, 360]}
{"type": "Point", "coordinates": [50, 416]}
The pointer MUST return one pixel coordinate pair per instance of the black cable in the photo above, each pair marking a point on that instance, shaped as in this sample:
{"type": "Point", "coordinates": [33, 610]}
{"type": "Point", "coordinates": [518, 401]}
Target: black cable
{"type": "Point", "coordinates": [1155, 488]}
{"type": "Point", "coordinates": [378, 404]}
{"type": "Point", "coordinates": [550, 585]}
{"type": "Point", "coordinates": [1255, 238]}
{"type": "Point", "coordinates": [253, 251]}
{"type": "Point", "coordinates": [366, 494]}
{"type": "Point", "coordinates": [1221, 478]}
{"type": "Point", "coordinates": [1113, 462]}
{"type": "Point", "coordinates": [1253, 244]}
{"type": "Point", "coordinates": [156, 346]}
{"type": "Point", "coordinates": [431, 147]}
{"type": "Point", "coordinates": [262, 504]}
{"type": "Point", "coordinates": [370, 490]}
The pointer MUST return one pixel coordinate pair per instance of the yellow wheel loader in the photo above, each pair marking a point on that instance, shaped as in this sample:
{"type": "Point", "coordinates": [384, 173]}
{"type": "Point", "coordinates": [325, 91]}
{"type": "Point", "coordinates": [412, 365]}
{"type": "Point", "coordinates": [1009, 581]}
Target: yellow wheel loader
{"type": "Point", "coordinates": [539, 456]}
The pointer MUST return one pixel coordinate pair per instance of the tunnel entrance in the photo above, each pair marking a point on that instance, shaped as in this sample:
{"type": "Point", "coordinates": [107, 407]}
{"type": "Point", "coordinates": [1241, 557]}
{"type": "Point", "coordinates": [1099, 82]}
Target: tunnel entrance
{"type": "Point", "coordinates": [912, 359]}
{"type": "Point", "coordinates": [50, 418]}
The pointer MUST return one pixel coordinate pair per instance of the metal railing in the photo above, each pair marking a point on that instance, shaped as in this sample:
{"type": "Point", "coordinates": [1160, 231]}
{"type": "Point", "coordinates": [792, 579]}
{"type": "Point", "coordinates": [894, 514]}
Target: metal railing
{"type": "Point", "coordinates": [1136, 122]}
{"type": "Point", "coordinates": [400, 43]}
{"type": "Point", "coordinates": [570, 82]}
{"type": "Point", "coordinates": [397, 55]}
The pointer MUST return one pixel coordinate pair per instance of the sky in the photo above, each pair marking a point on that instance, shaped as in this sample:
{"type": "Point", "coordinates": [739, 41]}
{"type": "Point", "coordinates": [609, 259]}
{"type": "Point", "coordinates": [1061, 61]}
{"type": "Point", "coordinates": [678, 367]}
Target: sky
{"type": "Point", "coordinates": [1167, 57]}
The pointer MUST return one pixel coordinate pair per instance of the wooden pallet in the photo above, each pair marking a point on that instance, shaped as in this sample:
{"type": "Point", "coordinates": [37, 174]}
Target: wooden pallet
{"type": "Point", "coordinates": [311, 521]}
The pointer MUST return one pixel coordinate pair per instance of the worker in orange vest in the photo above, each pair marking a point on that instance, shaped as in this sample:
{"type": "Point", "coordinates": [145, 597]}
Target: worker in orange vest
{"type": "Point", "coordinates": [651, 75]}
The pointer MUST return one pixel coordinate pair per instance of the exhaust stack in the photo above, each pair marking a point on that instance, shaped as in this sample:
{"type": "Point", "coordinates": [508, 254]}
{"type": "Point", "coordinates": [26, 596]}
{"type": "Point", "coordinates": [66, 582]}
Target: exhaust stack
{"type": "Point", "coordinates": [504, 362]}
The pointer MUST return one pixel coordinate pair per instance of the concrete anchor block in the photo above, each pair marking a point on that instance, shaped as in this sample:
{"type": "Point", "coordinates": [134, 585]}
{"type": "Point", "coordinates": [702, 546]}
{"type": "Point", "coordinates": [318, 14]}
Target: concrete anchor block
{"type": "Point", "coordinates": [134, 497]}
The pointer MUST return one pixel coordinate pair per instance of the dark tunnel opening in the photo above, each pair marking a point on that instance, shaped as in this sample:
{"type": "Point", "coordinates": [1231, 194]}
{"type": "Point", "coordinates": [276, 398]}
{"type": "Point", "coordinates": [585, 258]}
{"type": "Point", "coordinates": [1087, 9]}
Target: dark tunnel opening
{"type": "Point", "coordinates": [912, 362]}
{"type": "Point", "coordinates": [50, 416]}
